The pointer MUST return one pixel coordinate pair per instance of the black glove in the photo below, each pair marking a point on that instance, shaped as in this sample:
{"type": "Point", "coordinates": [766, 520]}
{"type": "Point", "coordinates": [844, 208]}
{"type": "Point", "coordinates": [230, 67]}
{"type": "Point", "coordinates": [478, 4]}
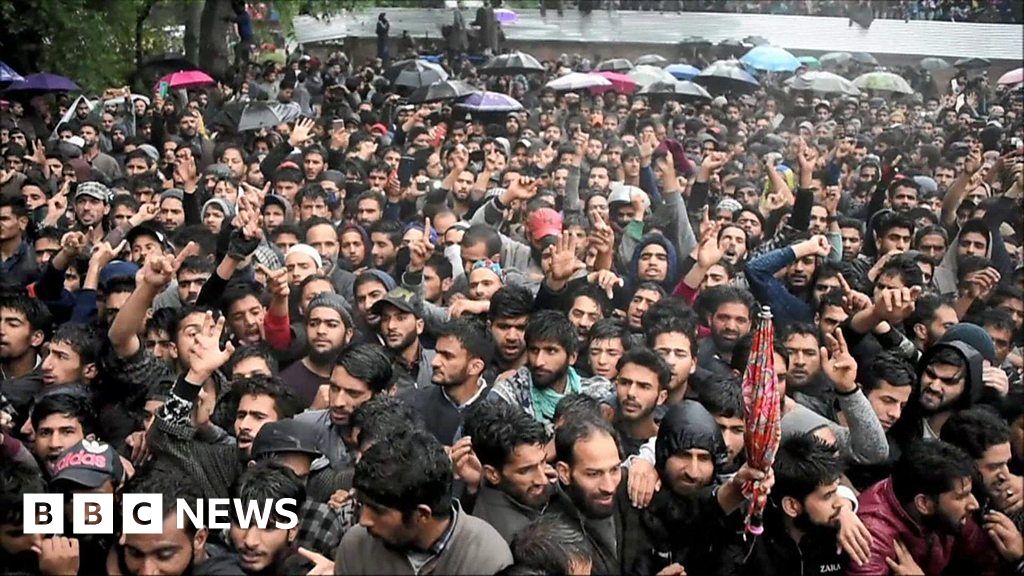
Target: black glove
{"type": "Point", "coordinates": [239, 247]}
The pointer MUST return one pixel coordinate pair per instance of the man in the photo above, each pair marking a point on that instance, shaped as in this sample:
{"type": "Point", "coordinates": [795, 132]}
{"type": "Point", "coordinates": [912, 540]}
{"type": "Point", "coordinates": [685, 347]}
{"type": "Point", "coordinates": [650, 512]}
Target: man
{"type": "Point", "coordinates": [974, 239]}
{"type": "Point", "coordinates": [60, 419]}
{"type": "Point", "coordinates": [789, 298]}
{"type": "Point", "coordinates": [511, 448]}
{"type": "Point", "coordinates": [99, 161]}
{"type": "Point", "coordinates": [408, 516]}
{"type": "Point", "coordinates": [903, 194]}
{"type": "Point", "coordinates": [17, 260]}
{"type": "Point", "coordinates": [91, 205]}
{"type": "Point", "coordinates": [73, 357]}
{"type": "Point", "coordinates": [922, 517]}
{"type": "Point", "coordinates": [646, 295]}
{"type": "Point", "coordinates": [369, 288]}
{"type": "Point", "coordinates": [641, 386]}
{"type": "Point", "coordinates": [302, 261]}
{"type": "Point", "coordinates": [266, 549]}
{"type": "Point", "coordinates": [19, 552]}
{"type": "Point", "coordinates": [853, 238]}
{"type": "Point", "coordinates": [461, 355]}
{"type": "Point", "coordinates": [401, 324]}
{"type": "Point", "coordinates": [730, 318]}
{"type": "Point", "coordinates": [172, 210]}
{"type": "Point", "coordinates": [888, 386]}
{"type": "Point", "coordinates": [261, 399]}
{"type": "Point", "coordinates": [933, 315]}
{"type": "Point", "coordinates": [385, 238]}
{"type": "Point", "coordinates": [145, 241]}
{"type": "Point", "coordinates": [24, 322]}
{"type": "Point", "coordinates": [328, 331]}
{"type": "Point", "coordinates": [510, 309]}
{"type": "Point", "coordinates": [323, 237]}
{"type": "Point", "coordinates": [244, 312]}
{"type": "Point", "coordinates": [609, 340]}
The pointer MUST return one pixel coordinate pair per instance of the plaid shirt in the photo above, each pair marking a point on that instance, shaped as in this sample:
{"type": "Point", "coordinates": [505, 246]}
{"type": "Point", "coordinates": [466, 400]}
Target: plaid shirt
{"type": "Point", "coordinates": [322, 527]}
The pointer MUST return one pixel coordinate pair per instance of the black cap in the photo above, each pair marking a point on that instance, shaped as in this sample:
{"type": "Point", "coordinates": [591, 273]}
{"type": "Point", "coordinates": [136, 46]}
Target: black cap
{"type": "Point", "coordinates": [403, 299]}
{"type": "Point", "coordinates": [288, 435]}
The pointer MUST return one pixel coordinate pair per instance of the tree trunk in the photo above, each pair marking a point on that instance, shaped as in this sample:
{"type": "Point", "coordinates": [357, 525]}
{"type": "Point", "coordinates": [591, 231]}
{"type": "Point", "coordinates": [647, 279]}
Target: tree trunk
{"type": "Point", "coordinates": [140, 22]}
{"type": "Point", "coordinates": [193, 15]}
{"type": "Point", "coordinates": [215, 26]}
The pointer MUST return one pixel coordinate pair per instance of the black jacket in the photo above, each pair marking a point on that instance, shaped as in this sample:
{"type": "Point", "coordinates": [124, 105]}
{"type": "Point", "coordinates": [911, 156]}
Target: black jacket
{"type": "Point", "coordinates": [774, 553]}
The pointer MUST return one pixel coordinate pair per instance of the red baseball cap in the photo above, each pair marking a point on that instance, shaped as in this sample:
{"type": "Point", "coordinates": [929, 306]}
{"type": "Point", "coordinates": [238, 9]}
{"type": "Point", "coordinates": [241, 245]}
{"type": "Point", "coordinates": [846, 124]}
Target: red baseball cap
{"type": "Point", "coordinates": [544, 222]}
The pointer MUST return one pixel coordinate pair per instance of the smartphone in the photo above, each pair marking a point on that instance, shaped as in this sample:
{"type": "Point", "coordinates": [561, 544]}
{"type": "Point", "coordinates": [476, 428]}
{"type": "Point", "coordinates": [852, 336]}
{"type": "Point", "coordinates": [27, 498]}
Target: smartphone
{"type": "Point", "coordinates": [162, 89]}
{"type": "Point", "coordinates": [405, 169]}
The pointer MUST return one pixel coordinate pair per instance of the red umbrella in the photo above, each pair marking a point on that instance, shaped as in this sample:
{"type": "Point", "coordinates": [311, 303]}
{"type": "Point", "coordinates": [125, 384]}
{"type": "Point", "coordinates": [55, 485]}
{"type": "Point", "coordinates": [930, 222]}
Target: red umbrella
{"type": "Point", "coordinates": [620, 83]}
{"type": "Point", "coordinates": [186, 79]}
{"type": "Point", "coordinates": [763, 416]}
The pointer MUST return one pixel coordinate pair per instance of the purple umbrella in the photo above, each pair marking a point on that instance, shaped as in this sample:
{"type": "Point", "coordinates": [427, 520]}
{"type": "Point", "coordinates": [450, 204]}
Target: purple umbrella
{"type": "Point", "coordinates": [7, 74]}
{"type": "Point", "coordinates": [506, 16]}
{"type": "Point", "coordinates": [44, 82]}
{"type": "Point", "coordinates": [490, 102]}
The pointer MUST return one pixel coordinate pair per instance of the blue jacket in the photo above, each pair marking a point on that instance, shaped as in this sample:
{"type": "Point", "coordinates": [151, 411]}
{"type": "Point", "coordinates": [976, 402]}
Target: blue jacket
{"type": "Point", "coordinates": [771, 292]}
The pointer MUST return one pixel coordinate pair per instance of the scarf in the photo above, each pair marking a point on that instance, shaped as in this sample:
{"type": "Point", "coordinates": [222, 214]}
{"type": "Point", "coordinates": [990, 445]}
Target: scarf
{"type": "Point", "coordinates": [545, 399]}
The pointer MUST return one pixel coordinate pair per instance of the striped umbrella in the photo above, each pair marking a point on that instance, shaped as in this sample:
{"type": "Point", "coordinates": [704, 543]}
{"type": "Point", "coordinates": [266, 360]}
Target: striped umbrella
{"type": "Point", "coordinates": [762, 403]}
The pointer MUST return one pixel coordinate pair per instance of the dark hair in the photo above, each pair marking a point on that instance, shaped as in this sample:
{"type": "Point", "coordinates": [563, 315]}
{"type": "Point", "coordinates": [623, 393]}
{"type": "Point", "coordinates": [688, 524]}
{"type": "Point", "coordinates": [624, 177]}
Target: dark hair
{"type": "Point", "coordinates": [260, 350]}
{"type": "Point", "coordinates": [801, 329]}
{"type": "Point", "coordinates": [548, 545]}
{"type": "Point", "coordinates": [893, 220]}
{"type": "Point", "coordinates": [595, 293]}
{"type": "Point", "coordinates": [312, 192]}
{"type": "Point", "coordinates": [36, 313]}
{"type": "Point", "coordinates": [314, 222]}
{"type": "Point", "coordinates": [928, 467]}
{"type": "Point", "coordinates": [668, 307]}
{"type": "Point", "coordinates": [82, 339]}
{"type": "Point", "coordinates": [472, 335]}
{"type": "Point", "coordinates": [511, 302]}
{"type": "Point", "coordinates": [925, 310]}
{"type": "Point", "coordinates": [574, 406]}
{"type": "Point", "coordinates": [236, 292]}
{"type": "Point", "coordinates": [16, 480]}
{"type": "Point", "coordinates": [677, 325]}
{"type": "Point", "coordinates": [269, 480]}
{"type": "Point", "coordinates": [196, 265]}
{"type": "Point", "coordinates": [118, 285]}
{"type": "Point", "coordinates": [905, 268]}
{"type": "Point", "coordinates": [575, 430]}
{"type": "Point", "coordinates": [610, 329]}
{"type": "Point", "coordinates": [408, 471]}
{"type": "Point", "coordinates": [292, 229]}
{"type": "Point", "coordinates": [288, 174]}
{"type": "Point", "coordinates": [649, 359]}
{"type": "Point", "coordinates": [992, 317]}
{"type": "Point", "coordinates": [369, 364]}
{"type": "Point", "coordinates": [802, 464]}
{"type": "Point", "coordinates": [379, 417]}
{"type": "Point", "coordinates": [16, 204]}
{"type": "Point", "coordinates": [891, 367]}
{"type": "Point", "coordinates": [286, 404]}
{"type": "Point", "coordinates": [975, 430]}
{"type": "Point", "coordinates": [371, 195]}
{"type": "Point", "coordinates": [1004, 292]}
{"type": "Point", "coordinates": [72, 403]}
{"type": "Point", "coordinates": [724, 399]}
{"type": "Point", "coordinates": [852, 223]}
{"type": "Point", "coordinates": [478, 233]}
{"type": "Point", "coordinates": [497, 428]}
{"type": "Point", "coordinates": [949, 356]}
{"type": "Point", "coordinates": [172, 487]}
{"type": "Point", "coordinates": [443, 267]}
{"type": "Point", "coordinates": [716, 296]}
{"type": "Point", "coordinates": [392, 228]}
{"type": "Point", "coordinates": [552, 326]}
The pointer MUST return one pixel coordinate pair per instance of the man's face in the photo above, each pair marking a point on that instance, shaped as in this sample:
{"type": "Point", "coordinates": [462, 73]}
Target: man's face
{"type": "Point", "coordinates": [367, 294]}
{"type": "Point", "coordinates": [287, 189]}
{"type": "Point", "coordinates": [121, 214]}
{"type": "Point", "coordinates": [63, 365]}
{"type": "Point", "coordinates": [388, 525]}
{"type": "Point", "coordinates": [830, 318]}
{"type": "Point", "coordinates": [732, 429]}
{"type": "Point", "coordinates": [34, 198]}
{"type": "Point", "coordinates": [931, 245]}
{"type": "Point", "coordinates": [16, 335]}
{"type": "Point", "coordinates": [136, 166]}
{"type": "Point", "coordinates": [994, 468]}
{"type": "Point", "coordinates": [254, 410]}
{"type": "Point", "coordinates": [800, 272]}
{"type": "Point", "coordinates": [54, 434]}
{"type": "Point", "coordinates": [144, 247]}
{"type": "Point", "coordinates": [804, 361]}
{"type": "Point", "coordinates": [944, 177]}
{"type": "Point", "coordinates": [941, 386]}
{"type": "Point", "coordinates": [399, 328]}
{"type": "Point", "coordinates": [260, 548]}
{"type": "Point", "coordinates": [953, 508]}
{"type": "Point", "coordinates": [483, 283]}
{"type": "Point", "coordinates": [821, 507]}
{"type": "Point", "coordinates": [903, 199]}
{"type": "Point", "coordinates": [583, 314]}
{"type": "Point", "coordinates": [45, 249]}
{"type": "Point", "coordinates": [733, 242]}
{"type": "Point", "coordinates": [523, 476]}
{"type": "Point", "coordinates": [353, 250]}
{"type": "Point", "coordinates": [638, 306]}
{"type": "Point", "coordinates": [383, 250]}
{"type": "Point", "coordinates": [324, 239]}
{"type": "Point", "coordinates": [452, 364]}
{"type": "Point", "coordinates": [1003, 341]}
{"type": "Point", "coordinates": [245, 318]}
{"type": "Point", "coordinates": [312, 166]}
{"type": "Point", "coordinates": [728, 323]}
{"type": "Point", "coordinates": [311, 207]}
{"type": "Point", "coordinates": [689, 471]}
{"type": "Point", "coordinates": [509, 337]}
{"type": "Point", "coordinates": [888, 402]}
{"type": "Point", "coordinates": [345, 394]}
{"type": "Point", "coordinates": [285, 241]}
{"type": "Point", "coordinates": [604, 356]}
{"type": "Point", "coordinates": [1014, 307]}
{"type": "Point", "coordinates": [90, 212]}
{"type": "Point", "coordinates": [300, 266]}
{"type": "Point", "coordinates": [172, 213]}
{"type": "Point", "coordinates": [170, 552]}
{"type": "Point", "coordinates": [463, 185]}
{"type": "Point", "coordinates": [819, 220]}
{"type": "Point", "coordinates": [188, 125]}
{"type": "Point", "coordinates": [676, 349]}
{"type": "Point", "coordinates": [599, 178]}
{"type": "Point", "coordinates": [548, 362]}
{"type": "Point", "coordinates": [852, 243]}
{"type": "Point", "coordinates": [638, 392]}
{"type": "Point", "coordinates": [594, 475]}
{"type": "Point", "coordinates": [326, 331]}
{"type": "Point", "coordinates": [90, 135]}
{"type": "Point", "coordinates": [972, 244]}
{"type": "Point", "coordinates": [653, 263]}
{"type": "Point", "coordinates": [368, 212]}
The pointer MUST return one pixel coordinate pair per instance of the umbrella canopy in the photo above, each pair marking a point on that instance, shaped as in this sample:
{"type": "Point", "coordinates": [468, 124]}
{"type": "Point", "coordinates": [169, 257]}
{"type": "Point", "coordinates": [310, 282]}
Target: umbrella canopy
{"type": "Point", "coordinates": [694, 41]}
{"type": "Point", "coordinates": [512, 63]}
{"type": "Point", "coordinates": [7, 74]}
{"type": "Point", "coordinates": [933, 64]}
{"type": "Point", "coordinates": [733, 47]}
{"type": "Point", "coordinates": [256, 115]}
{"type": "Point", "coordinates": [645, 75]}
{"type": "Point", "coordinates": [761, 402]}
{"type": "Point", "coordinates": [1012, 77]}
{"type": "Point", "coordinates": [756, 40]}
{"type": "Point", "coordinates": [614, 65]}
{"type": "Point", "coordinates": [652, 60]}
{"type": "Point", "coordinates": [186, 79]}
{"type": "Point", "coordinates": [506, 16]}
{"type": "Point", "coordinates": [823, 82]}
{"type": "Point", "coordinates": [415, 73]}
{"type": "Point", "coordinates": [578, 81]}
{"type": "Point", "coordinates": [679, 89]}
{"type": "Point", "coordinates": [440, 91]}
{"type": "Point", "coordinates": [682, 71]}
{"type": "Point", "coordinates": [619, 83]}
{"type": "Point", "coordinates": [810, 61]}
{"type": "Point", "coordinates": [883, 82]}
{"type": "Point", "coordinates": [835, 58]}
{"type": "Point", "coordinates": [490, 102]}
{"type": "Point", "coordinates": [864, 58]}
{"type": "Point", "coordinates": [726, 76]}
{"type": "Point", "coordinates": [770, 58]}
{"type": "Point", "coordinates": [43, 82]}
{"type": "Point", "coordinates": [972, 63]}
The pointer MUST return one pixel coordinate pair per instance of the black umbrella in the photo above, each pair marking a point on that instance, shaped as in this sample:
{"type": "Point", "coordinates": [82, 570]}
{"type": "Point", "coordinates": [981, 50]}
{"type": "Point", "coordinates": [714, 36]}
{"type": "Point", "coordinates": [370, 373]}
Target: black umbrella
{"type": "Point", "coordinates": [439, 91]}
{"type": "Point", "coordinates": [726, 76]}
{"type": "Point", "coordinates": [614, 65]}
{"type": "Point", "coordinates": [415, 73]}
{"type": "Point", "coordinates": [682, 90]}
{"type": "Point", "coordinates": [695, 41]}
{"type": "Point", "coordinates": [972, 63]}
{"type": "Point", "coordinates": [512, 63]}
{"type": "Point", "coordinates": [733, 47]}
{"type": "Point", "coordinates": [756, 40]}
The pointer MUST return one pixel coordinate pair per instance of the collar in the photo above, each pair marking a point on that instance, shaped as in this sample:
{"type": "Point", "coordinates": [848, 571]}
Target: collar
{"type": "Point", "coordinates": [481, 385]}
{"type": "Point", "coordinates": [20, 253]}
{"type": "Point", "coordinates": [438, 547]}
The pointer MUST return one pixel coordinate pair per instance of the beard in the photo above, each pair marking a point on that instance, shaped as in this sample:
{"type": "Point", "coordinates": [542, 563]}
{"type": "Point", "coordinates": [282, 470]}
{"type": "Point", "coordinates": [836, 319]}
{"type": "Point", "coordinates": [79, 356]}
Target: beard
{"type": "Point", "coordinates": [589, 508]}
{"type": "Point", "coordinates": [546, 379]}
{"type": "Point", "coordinates": [805, 523]}
{"type": "Point", "coordinates": [325, 358]}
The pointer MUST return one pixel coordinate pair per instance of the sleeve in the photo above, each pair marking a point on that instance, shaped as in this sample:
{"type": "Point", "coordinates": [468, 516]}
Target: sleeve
{"type": "Point", "coordinates": [867, 441]}
{"type": "Point", "coordinates": [572, 201]}
{"type": "Point", "coordinates": [193, 211]}
{"type": "Point", "coordinates": [801, 218]}
{"type": "Point", "coordinates": [769, 290]}
{"type": "Point", "coordinates": [685, 239]}
{"type": "Point", "coordinates": [649, 184]}
{"type": "Point", "coordinates": [274, 159]}
{"type": "Point", "coordinates": [836, 240]}
{"type": "Point", "coordinates": [278, 331]}
{"type": "Point", "coordinates": [881, 548]}
{"type": "Point", "coordinates": [212, 290]}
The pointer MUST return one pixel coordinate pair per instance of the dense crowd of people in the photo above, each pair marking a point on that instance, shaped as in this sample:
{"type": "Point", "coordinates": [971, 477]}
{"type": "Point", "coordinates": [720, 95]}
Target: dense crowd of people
{"type": "Point", "coordinates": [514, 342]}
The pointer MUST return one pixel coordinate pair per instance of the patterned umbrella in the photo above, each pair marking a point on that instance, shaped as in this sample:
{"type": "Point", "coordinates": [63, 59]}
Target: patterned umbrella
{"type": "Point", "coordinates": [883, 82]}
{"type": "Point", "coordinates": [490, 102]}
{"type": "Point", "coordinates": [761, 400]}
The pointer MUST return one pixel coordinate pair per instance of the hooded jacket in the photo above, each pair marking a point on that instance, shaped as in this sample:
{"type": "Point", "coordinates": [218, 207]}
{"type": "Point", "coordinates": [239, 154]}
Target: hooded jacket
{"type": "Point", "coordinates": [947, 273]}
{"type": "Point", "coordinates": [672, 275]}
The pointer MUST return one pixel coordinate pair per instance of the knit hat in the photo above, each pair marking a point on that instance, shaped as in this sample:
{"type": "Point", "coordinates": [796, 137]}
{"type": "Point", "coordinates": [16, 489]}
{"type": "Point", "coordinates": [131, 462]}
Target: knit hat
{"type": "Point", "coordinates": [308, 251]}
{"type": "Point", "coordinates": [175, 193]}
{"type": "Point", "coordinates": [975, 337]}
{"type": "Point", "coordinates": [225, 207]}
{"type": "Point", "coordinates": [333, 301]}
{"type": "Point", "coordinates": [150, 151]}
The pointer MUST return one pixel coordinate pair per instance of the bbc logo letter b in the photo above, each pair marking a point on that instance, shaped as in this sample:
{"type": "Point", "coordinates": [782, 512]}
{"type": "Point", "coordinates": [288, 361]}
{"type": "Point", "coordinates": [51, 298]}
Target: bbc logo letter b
{"type": "Point", "coordinates": [43, 513]}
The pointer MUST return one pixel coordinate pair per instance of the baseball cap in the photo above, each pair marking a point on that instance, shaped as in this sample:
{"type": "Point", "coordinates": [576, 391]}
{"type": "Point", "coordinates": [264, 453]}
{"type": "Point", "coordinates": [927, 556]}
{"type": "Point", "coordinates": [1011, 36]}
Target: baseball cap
{"type": "Point", "coordinates": [89, 463]}
{"type": "Point", "coordinates": [147, 230]}
{"type": "Point", "coordinates": [288, 435]}
{"type": "Point", "coordinates": [544, 222]}
{"type": "Point", "coordinates": [402, 298]}
{"type": "Point", "coordinates": [93, 190]}
{"type": "Point", "coordinates": [117, 269]}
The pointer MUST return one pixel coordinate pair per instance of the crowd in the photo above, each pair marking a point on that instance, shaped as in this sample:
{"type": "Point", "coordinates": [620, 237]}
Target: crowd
{"type": "Point", "coordinates": [472, 344]}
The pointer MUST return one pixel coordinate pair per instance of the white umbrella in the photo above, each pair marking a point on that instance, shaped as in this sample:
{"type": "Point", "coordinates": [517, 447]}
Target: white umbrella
{"type": "Point", "coordinates": [645, 75]}
{"type": "Point", "coordinates": [824, 82]}
{"type": "Point", "coordinates": [578, 81]}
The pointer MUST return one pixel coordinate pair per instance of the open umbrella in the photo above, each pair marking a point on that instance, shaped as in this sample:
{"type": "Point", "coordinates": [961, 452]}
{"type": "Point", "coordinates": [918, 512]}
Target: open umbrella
{"type": "Point", "coordinates": [864, 58]}
{"type": "Point", "coordinates": [881, 81]}
{"type": "Point", "coordinates": [933, 64]}
{"type": "Point", "coordinates": [733, 47]}
{"type": "Point", "coordinates": [823, 82]}
{"type": "Point", "coordinates": [694, 41]}
{"type": "Point", "coordinates": [682, 71]}
{"type": "Point", "coordinates": [183, 79]}
{"type": "Point", "coordinates": [810, 61]}
{"type": "Point", "coordinates": [762, 404]}
{"type": "Point", "coordinates": [512, 63]}
{"type": "Point", "coordinates": [619, 83]}
{"type": "Point", "coordinates": [652, 60]}
{"type": "Point", "coordinates": [7, 74]}
{"type": "Point", "coordinates": [256, 115]}
{"type": "Point", "coordinates": [644, 75]}
{"type": "Point", "coordinates": [726, 76]}
{"type": "Point", "coordinates": [440, 91]}
{"type": "Point", "coordinates": [614, 65]}
{"type": "Point", "coordinates": [972, 63]}
{"type": "Point", "coordinates": [578, 81]}
{"type": "Point", "coordinates": [490, 102]}
{"type": "Point", "coordinates": [506, 16]}
{"type": "Point", "coordinates": [835, 58]}
{"type": "Point", "coordinates": [754, 40]}
{"type": "Point", "coordinates": [415, 73]}
{"type": "Point", "coordinates": [43, 82]}
{"type": "Point", "coordinates": [1012, 77]}
{"type": "Point", "coordinates": [770, 58]}
{"type": "Point", "coordinates": [677, 90]}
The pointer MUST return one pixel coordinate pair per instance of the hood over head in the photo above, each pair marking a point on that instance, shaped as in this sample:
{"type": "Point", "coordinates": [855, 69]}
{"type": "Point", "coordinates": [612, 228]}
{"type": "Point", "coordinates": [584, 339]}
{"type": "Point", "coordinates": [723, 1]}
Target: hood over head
{"type": "Point", "coordinates": [688, 426]}
{"type": "Point", "coordinates": [672, 275]}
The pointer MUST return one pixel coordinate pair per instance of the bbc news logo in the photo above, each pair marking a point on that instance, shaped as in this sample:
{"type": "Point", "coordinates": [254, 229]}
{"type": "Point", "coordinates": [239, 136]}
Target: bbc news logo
{"type": "Point", "coordinates": [144, 513]}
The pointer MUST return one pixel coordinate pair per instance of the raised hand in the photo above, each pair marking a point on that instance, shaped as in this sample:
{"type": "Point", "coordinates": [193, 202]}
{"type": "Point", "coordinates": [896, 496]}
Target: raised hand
{"type": "Point", "coordinates": [465, 463]}
{"type": "Point", "coordinates": [421, 249]}
{"type": "Point", "coordinates": [322, 566]}
{"type": "Point", "coordinates": [158, 271]}
{"type": "Point", "coordinates": [606, 280]}
{"type": "Point", "coordinates": [523, 188]}
{"type": "Point", "coordinates": [714, 161]}
{"type": "Point", "coordinates": [72, 243]}
{"type": "Point", "coordinates": [186, 173]}
{"type": "Point", "coordinates": [207, 355]}
{"type": "Point", "coordinates": [1004, 535]}
{"type": "Point", "coordinates": [837, 362]}
{"type": "Point", "coordinates": [602, 237]}
{"type": "Point", "coordinates": [854, 537]}
{"type": "Point", "coordinates": [903, 564]}
{"type": "Point", "coordinates": [277, 281]}
{"type": "Point", "coordinates": [647, 144]}
{"type": "Point", "coordinates": [709, 252]}
{"type": "Point", "coordinates": [301, 131]}
{"type": "Point", "coordinates": [894, 305]}
{"type": "Point", "coordinates": [563, 259]}
{"type": "Point", "coordinates": [103, 253]}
